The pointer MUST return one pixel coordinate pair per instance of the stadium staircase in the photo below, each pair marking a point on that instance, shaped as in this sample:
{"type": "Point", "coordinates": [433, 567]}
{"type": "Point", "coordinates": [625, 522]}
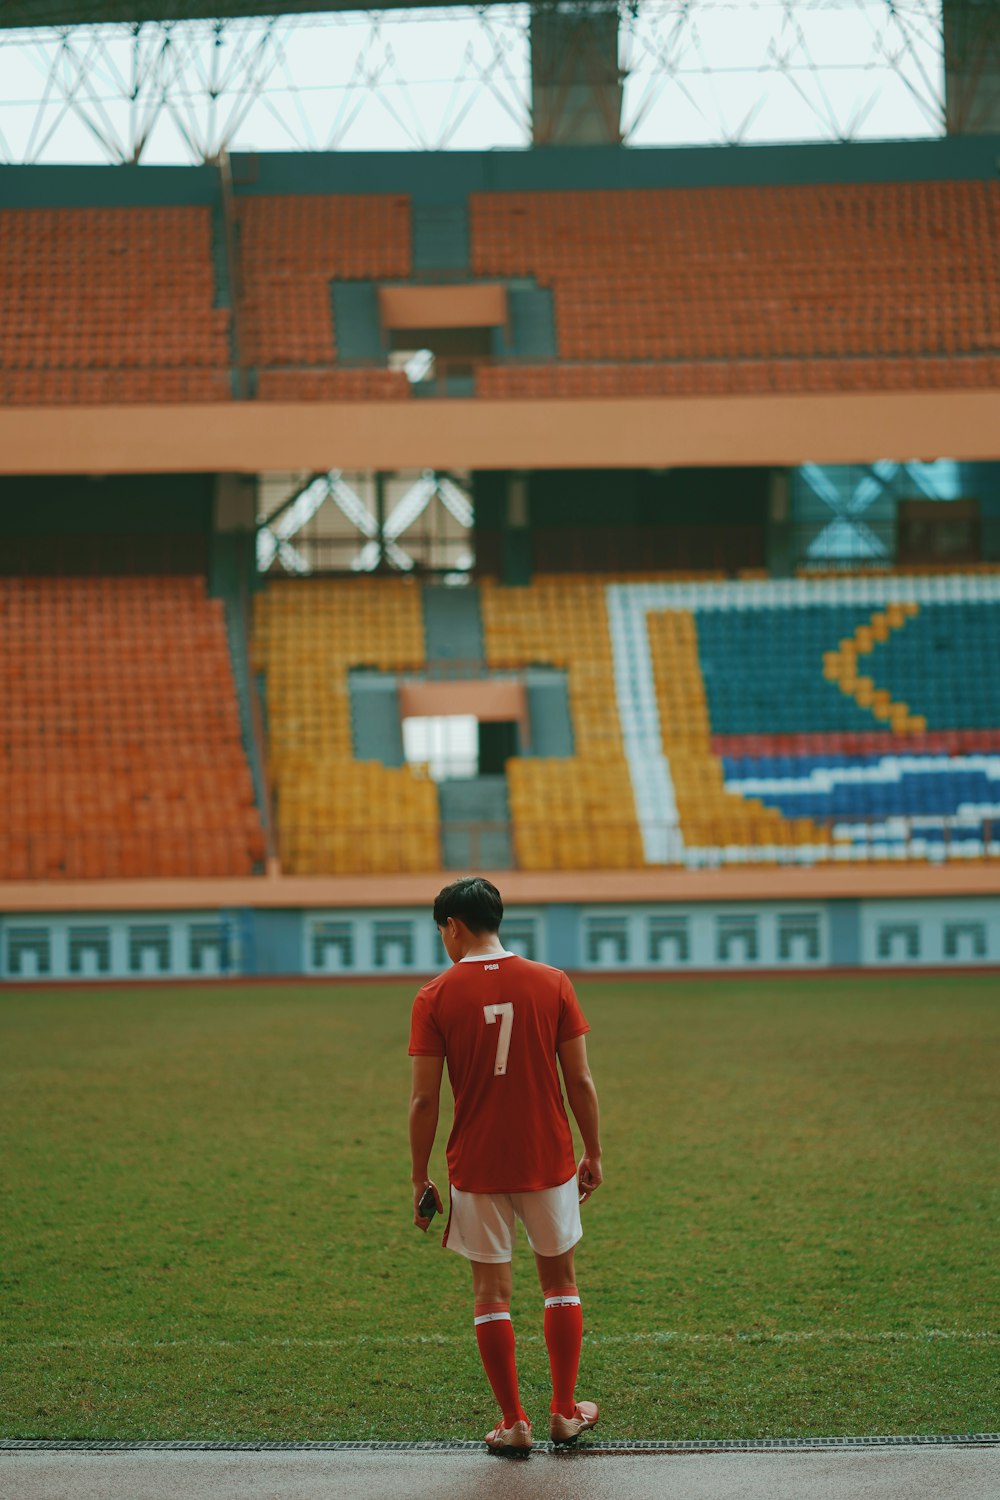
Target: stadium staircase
{"type": "Point", "coordinates": [440, 238]}
{"type": "Point", "coordinates": [376, 726]}
{"type": "Point", "coordinates": [532, 321]}
{"type": "Point", "coordinates": [224, 294]}
{"type": "Point", "coordinates": [356, 320]}
{"type": "Point", "coordinates": [573, 813]}
{"type": "Point", "coordinates": [475, 823]}
{"type": "Point", "coordinates": [474, 810]}
{"type": "Point", "coordinates": [453, 629]}
{"type": "Point", "coordinates": [228, 276]}
{"type": "Point", "coordinates": [228, 583]}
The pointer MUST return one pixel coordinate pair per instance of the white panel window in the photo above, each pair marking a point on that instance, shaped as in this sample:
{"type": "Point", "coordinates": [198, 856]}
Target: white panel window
{"type": "Point", "coordinates": [448, 746]}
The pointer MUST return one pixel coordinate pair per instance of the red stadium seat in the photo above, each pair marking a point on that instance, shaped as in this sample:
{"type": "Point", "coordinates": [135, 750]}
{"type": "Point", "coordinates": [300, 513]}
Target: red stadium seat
{"type": "Point", "coordinates": [123, 752]}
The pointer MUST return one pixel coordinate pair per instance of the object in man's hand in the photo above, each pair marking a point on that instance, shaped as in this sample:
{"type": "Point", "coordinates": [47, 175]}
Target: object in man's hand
{"type": "Point", "coordinates": [427, 1207]}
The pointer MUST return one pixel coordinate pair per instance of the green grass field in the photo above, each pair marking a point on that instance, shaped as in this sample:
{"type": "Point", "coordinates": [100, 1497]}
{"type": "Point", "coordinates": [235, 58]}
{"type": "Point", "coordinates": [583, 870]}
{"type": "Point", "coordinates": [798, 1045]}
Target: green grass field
{"type": "Point", "coordinates": [206, 1216]}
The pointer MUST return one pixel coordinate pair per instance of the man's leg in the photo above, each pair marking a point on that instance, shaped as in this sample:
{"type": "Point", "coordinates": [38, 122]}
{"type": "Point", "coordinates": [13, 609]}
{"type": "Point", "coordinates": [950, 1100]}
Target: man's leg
{"type": "Point", "coordinates": [563, 1327]}
{"type": "Point", "coordinates": [563, 1338]}
{"type": "Point", "coordinates": [492, 1285]}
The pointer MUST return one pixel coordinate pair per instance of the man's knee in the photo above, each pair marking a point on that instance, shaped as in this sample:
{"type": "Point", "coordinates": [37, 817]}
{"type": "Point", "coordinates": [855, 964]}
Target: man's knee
{"type": "Point", "coordinates": [492, 1282]}
{"type": "Point", "coordinates": [556, 1270]}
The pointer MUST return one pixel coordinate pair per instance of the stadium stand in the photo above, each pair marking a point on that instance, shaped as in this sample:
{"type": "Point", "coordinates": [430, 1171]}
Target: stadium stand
{"type": "Point", "coordinates": [576, 813]}
{"type": "Point", "coordinates": [735, 377]}
{"type": "Point", "coordinates": [713, 721]}
{"type": "Point", "coordinates": [846, 286]}
{"type": "Point", "coordinates": [654, 292]}
{"type": "Point", "coordinates": [709, 815]}
{"type": "Point", "coordinates": [121, 753]}
{"type": "Point", "coordinates": [109, 305]}
{"type": "Point", "coordinates": [336, 814]}
{"type": "Point", "coordinates": [864, 711]}
{"type": "Point", "coordinates": [333, 385]}
{"type": "Point", "coordinates": [291, 248]}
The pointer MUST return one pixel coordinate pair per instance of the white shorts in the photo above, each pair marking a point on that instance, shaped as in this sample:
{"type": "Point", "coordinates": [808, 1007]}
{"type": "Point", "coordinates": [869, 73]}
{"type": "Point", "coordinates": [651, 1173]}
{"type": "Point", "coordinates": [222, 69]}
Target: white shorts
{"type": "Point", "coordinates": [482, 1225]}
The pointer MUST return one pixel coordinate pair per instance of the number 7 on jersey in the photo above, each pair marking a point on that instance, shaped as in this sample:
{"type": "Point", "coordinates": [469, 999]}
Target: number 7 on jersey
{"type": "Point", "coordinates": [505, 1014]}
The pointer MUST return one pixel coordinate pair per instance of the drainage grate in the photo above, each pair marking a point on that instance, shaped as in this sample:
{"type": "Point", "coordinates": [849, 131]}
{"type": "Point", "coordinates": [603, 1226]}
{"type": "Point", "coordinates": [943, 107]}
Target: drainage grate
{"type": "Point", "coordinates": [625, 1446]}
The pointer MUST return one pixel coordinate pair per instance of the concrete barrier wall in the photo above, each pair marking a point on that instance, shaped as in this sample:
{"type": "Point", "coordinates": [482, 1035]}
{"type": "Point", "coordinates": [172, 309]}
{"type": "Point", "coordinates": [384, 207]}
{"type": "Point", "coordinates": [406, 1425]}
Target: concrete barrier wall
{"type": "Point", "coordinates": [672, 938]}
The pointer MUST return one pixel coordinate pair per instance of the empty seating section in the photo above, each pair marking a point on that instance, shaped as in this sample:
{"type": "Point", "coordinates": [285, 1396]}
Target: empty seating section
{"type": "Point", "coordinates": [714, 721]}
{"type": "Point", "coordinates": [882, 723]}
{"type": "Point", "coordinates": [709, 816]}
{"type": "Point", "coordinates": [333, 385]}
{"type": "Point", "coordinates": [832, 286]}
{"type": "Point", "coordinates": [121, 753]}
{"type": "Point", "coordinates": [336, 814]}
{"type": "Point", "coordinates": [655, 293]}
{"type": "Point", "coordinates": [291, 248]}
{"type": "Point", "coordinates": [578, 813]}
{"type": "Point", "coordinates": [110, 304]}
{"type": "Point", "coordinates": [737, 377]}
{"type": "Point", "coordinates": [851, 671]}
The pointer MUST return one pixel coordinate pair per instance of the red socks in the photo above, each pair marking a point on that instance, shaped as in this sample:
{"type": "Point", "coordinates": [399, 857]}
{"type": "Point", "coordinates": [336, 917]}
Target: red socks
{"type": "Point", "coordinates": [495, 1337]}
{"type": "Point", "coordinates": [563, 1338]}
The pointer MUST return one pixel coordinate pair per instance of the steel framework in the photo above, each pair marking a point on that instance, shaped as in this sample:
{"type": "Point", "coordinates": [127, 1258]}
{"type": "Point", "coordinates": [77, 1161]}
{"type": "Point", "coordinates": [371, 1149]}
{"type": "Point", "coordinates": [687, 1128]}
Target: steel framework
{"type": "Point", "coordinates": [695, 71]}
{"type": "Point", "coordinates": [363, 522]}
{"type": "Point", "coordinates": [847, 515]}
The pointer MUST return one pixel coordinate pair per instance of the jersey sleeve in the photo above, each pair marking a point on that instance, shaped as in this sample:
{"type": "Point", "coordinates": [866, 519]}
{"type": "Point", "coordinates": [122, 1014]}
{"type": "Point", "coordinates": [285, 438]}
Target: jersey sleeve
{"type": "Point", "coordinates": [425, 1035]}
{"type": "Point", "coordinates": [572, 1021]}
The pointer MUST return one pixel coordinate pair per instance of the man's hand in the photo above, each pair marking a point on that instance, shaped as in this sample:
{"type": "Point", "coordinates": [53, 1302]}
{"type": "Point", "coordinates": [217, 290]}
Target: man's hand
{"type": "Point", "coordinates": [589, 1176]}
{"type": "Point", "coordinates": [419, 1188]}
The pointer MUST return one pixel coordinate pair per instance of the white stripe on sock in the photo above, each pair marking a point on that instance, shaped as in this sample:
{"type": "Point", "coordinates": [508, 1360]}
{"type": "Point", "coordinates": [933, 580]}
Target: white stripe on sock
{"type": "Point", "coordinates": [491, 1318]}
{"type": "Point", "coordinates": [562, 1302]}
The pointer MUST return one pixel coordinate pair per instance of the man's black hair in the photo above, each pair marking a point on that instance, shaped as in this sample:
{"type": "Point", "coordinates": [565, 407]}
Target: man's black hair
{"type": "Point", "coordinates": [473, 901]}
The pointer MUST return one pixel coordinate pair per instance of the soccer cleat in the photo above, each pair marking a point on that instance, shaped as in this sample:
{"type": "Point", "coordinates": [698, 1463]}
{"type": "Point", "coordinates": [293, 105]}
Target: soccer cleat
{"type": "Point", "coordinates": [567, 1429]}
{"type": "Point", "coordinates": [515, 1439]}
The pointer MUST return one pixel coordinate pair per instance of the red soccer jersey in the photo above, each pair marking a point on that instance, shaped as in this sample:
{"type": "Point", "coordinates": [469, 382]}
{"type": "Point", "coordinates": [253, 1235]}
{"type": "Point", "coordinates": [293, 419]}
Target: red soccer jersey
{"type": "Point", "coordinates": [499, 1022]}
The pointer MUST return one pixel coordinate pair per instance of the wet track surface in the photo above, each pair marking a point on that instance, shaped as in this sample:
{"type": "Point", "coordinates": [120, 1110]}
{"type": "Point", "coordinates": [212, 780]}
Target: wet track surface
{"type": "Point", "coordinates": [893, 1473]}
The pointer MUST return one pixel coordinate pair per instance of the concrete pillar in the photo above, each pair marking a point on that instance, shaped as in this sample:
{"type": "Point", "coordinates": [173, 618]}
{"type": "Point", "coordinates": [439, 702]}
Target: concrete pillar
{"type": "Point", "coordinates": [235, 507]}
{"type": "Point", "coordinates": [981, 481]}
{"type": "Point", "coordinates": [517, 548]}
{"type": "Point", "coordinates": [971, 66]}
{"type": "Point", "coordinates": [780, 542]}
{"type": "Point", "coordinates": [576, 85]}
{"type": "Point", "coordinates": [233, 564]}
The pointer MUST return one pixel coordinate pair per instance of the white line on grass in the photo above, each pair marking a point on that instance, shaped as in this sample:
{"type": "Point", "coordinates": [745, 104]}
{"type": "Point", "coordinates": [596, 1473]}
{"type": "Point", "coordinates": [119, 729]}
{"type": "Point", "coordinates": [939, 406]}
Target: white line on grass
{"type": "Point", "coordinates": [655, 1336]}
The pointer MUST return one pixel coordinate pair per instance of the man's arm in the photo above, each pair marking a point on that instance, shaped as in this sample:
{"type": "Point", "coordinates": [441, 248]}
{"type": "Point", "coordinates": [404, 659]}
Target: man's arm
{"type": "Point", "coordinates": [582, 1097]}
{"type": "Point", "coordinates": [425, 1095]}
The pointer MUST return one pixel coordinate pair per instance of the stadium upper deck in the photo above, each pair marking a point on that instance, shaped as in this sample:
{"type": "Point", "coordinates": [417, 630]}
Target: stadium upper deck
{"type": "Point", "coordinates": [574, 273]}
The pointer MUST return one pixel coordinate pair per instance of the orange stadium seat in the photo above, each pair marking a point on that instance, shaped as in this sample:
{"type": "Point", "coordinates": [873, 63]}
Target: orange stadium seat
{"type": "Point", "coordinates": [123, 753]}
{"type": "Point", "coordinates": [656, 292]}
{"type": "Point", "coordinates": [290, 250]}
{"type": "Point", "coordinates": [335, 814]}
{"type": "Point", "coordinates": [110, 304]}
{"type": "Point", "coordinates": [578, 813]}
{"type": "Point", "coordinates": [736, 377]}
{"type": "Point", "coordinates": [736, 290]}
{"type": "Point", "coordinates": [333, 385]}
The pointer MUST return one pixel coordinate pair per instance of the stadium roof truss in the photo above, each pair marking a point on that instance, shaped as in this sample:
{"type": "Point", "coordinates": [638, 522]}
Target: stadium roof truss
{"type": "Point", "coordinates": [376, 524]}
{"type": "Point", "coordinates": [114, 82]}
{"type": "Point", "coordinates": [852, 514]}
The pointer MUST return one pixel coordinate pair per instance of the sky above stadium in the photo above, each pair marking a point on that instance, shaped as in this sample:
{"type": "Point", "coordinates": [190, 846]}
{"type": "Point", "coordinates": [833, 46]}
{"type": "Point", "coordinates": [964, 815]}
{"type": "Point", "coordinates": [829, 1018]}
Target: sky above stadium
{"type": "Point", "coordinates": [705, 73]}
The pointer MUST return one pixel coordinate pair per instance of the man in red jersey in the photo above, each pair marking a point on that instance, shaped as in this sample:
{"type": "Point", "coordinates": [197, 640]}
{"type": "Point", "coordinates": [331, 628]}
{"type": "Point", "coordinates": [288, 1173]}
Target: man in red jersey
{"type": "Point", "coordinates": [502, 1022]}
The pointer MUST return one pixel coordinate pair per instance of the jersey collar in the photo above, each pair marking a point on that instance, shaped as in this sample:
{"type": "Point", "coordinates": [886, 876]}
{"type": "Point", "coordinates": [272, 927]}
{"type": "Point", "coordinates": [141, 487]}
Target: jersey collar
{"type": "Point", "coordinates": [485, 958]}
